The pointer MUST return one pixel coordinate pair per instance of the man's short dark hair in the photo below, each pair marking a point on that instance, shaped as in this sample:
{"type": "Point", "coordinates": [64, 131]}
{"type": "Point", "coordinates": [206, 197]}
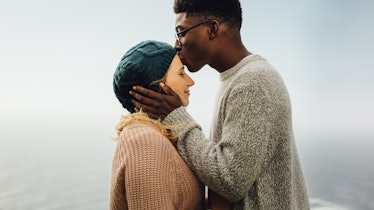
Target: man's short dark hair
{"type": "Point", "coordinates": [225, 11]}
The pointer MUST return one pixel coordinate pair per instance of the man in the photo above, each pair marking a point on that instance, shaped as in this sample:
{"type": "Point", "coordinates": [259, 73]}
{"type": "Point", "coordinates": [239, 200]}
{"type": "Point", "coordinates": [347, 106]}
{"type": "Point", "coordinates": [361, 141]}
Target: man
{"type": "Point", "coordinates": [250, 157]}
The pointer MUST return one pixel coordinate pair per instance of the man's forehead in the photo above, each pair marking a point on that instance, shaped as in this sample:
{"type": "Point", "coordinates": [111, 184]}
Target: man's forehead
{"type": "Point", "coordinates": [181, 19]}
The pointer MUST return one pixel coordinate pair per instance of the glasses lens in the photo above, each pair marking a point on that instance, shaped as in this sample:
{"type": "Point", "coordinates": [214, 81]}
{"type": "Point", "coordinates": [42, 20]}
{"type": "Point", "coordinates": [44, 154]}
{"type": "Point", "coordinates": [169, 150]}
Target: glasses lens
{"type": "Point", "coordinates": [180, 34]}
{"type": "Point", "coordinates": [178, 38]}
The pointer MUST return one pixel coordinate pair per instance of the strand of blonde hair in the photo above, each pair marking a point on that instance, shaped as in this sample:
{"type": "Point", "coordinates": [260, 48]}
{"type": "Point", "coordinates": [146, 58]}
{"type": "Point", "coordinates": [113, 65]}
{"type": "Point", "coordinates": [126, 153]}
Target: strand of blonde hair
{"type": "Point", "coordinates": [142, 117]}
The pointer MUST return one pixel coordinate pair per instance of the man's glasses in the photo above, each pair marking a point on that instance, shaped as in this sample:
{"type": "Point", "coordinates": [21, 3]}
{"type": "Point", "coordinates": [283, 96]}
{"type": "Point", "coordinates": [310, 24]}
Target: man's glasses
{"type": "Point", "coordinates": [179, 35]}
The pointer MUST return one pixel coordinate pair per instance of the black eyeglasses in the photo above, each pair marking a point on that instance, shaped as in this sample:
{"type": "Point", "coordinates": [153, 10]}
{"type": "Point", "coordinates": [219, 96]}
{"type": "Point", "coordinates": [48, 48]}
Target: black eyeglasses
{"type": "Point", "coordinates": [180, 34]}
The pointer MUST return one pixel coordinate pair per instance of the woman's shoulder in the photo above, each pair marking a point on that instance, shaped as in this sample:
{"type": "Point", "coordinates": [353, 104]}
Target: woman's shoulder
{"type": "Point", "coordinates": [138, 129]}
{"type": "Point", "coordinates": [142, 142]}
{"type": "Point", "coordinates": [142, 133]}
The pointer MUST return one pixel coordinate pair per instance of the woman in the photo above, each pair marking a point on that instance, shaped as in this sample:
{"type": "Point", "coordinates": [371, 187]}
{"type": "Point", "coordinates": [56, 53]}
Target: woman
{"type": "Point", "coordinates": [147, 171]}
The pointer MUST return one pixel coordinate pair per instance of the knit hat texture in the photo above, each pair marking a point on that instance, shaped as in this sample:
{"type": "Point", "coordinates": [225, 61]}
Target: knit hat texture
{"type": "Point", "coordinates": [143, 64]}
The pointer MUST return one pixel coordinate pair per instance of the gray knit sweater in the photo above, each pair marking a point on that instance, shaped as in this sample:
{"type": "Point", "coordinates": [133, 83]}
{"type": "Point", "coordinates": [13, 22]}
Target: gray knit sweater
{"type": "Point", "coordinates": [250, 157]}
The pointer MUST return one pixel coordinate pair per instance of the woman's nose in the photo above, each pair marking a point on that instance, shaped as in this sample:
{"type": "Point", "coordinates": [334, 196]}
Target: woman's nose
{"type": "Point", "coordinates": [191, 81]}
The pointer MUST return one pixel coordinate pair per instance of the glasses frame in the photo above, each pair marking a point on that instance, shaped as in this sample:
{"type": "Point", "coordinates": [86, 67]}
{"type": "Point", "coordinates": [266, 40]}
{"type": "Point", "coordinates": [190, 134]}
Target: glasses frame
{"type": "Point", "coordinates": [182, 33]}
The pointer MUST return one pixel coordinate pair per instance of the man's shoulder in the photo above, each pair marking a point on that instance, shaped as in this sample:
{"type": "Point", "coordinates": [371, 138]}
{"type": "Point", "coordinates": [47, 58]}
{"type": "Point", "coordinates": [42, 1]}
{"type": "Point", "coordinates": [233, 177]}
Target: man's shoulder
{"type": "Point", "coordinates": [256, 64]}
{"type": "Point", "coordinates": [256, 69]}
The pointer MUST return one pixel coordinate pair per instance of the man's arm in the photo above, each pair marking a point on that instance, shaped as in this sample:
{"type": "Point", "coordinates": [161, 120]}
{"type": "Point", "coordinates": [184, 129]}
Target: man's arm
{"type": "Point", "coordinates": [228, 164]}
{"type": "Point", "coordinates": [157, 105]}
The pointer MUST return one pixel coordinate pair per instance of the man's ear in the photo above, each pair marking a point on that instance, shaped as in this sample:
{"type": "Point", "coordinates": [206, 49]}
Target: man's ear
{"type": "Point", "coordinates": [213, 29]}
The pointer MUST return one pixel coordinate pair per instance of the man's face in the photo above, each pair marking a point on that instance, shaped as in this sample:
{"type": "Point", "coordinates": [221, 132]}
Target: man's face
{"type": "Point", "coordinates": [193, 45]}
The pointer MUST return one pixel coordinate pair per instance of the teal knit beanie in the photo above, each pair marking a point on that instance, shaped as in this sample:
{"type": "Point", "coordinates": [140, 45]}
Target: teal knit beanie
{"type": "Point", "coordinates": [143, 64]}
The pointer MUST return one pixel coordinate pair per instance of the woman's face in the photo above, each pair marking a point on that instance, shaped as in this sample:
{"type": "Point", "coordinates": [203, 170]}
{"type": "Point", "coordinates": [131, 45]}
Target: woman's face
{"type": "Point", "coordinates": [177, 79]}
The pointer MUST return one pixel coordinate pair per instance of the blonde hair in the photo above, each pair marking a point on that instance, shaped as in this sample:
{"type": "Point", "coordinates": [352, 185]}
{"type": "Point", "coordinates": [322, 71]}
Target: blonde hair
{"type": "Point", "coordinates": [142, 117]}
{"type": "Point", "coordinates": [157, 82]}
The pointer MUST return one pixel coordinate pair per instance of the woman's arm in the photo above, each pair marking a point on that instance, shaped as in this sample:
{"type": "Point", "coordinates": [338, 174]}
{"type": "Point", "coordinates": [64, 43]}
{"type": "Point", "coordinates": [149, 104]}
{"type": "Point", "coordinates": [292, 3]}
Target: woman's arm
{"type": "Point", "coordinates": [141, 167]}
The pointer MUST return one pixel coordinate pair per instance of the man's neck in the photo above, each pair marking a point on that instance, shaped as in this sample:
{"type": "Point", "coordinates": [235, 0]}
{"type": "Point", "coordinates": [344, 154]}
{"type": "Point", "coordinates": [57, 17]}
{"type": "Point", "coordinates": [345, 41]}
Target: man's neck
{"type": "Point", "coordinates": [229, 58]}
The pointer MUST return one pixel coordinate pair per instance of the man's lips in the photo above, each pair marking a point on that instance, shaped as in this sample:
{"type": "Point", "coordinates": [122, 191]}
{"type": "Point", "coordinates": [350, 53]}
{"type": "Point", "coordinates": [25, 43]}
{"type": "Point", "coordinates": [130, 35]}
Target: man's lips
{"type": "Point", "coordinates": [184, 62]}
{"type": "Point", "coordinates": [182, 59]}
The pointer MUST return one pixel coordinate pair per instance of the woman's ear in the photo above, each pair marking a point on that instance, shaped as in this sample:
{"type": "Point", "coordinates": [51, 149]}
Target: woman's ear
{"type": "Point", "coordinates": [163, 81]}
{"type": "Point", "coordinates": [213, 29]}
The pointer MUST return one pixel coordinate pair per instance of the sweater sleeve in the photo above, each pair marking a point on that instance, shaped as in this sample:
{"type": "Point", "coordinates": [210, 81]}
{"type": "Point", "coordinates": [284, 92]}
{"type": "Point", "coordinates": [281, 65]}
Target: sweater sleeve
{"type": "Point", "coordinates": [141, 174]}
{"type": "Point", "coordinates": [229, 165]}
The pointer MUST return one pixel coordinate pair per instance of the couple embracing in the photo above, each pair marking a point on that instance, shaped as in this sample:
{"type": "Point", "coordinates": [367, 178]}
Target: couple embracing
{"type": "Point", "coordinates": [164, 161]}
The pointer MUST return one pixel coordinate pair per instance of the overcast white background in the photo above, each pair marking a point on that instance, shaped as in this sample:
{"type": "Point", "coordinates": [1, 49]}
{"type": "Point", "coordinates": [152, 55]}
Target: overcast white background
{"type": "Point", "coordinates": [57, 59]}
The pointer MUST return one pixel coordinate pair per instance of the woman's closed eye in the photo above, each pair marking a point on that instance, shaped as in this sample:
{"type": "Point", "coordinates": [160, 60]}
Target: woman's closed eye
{"type": "Point", "coordinates": [182, 72]}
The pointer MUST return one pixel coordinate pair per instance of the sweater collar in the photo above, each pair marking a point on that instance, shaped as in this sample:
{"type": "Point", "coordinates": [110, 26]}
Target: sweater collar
{"type": "Point", "coordinates": [233, 70]}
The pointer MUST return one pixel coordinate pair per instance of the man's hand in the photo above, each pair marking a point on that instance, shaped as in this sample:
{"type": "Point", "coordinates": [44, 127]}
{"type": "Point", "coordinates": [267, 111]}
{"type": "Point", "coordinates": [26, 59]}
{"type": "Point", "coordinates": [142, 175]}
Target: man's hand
{"type": "Point", "coordinates": [155, 104]}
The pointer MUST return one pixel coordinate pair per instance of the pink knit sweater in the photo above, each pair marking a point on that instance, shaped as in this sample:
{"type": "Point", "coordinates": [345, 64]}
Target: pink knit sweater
{"type": "Point", "coordinates": [148, 173]}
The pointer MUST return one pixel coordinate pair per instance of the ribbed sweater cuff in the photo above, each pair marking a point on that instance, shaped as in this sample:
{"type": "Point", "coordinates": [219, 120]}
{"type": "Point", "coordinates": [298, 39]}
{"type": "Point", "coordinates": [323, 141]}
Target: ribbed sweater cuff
{"type": "Point", "coordinates": [180, 119]}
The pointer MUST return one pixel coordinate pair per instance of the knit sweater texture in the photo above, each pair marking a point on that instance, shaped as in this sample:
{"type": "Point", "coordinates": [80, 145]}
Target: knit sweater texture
{"type": "Point", "coordinates": [251, 157]}
{"type": "Point", "coordinates": [149, 173]}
